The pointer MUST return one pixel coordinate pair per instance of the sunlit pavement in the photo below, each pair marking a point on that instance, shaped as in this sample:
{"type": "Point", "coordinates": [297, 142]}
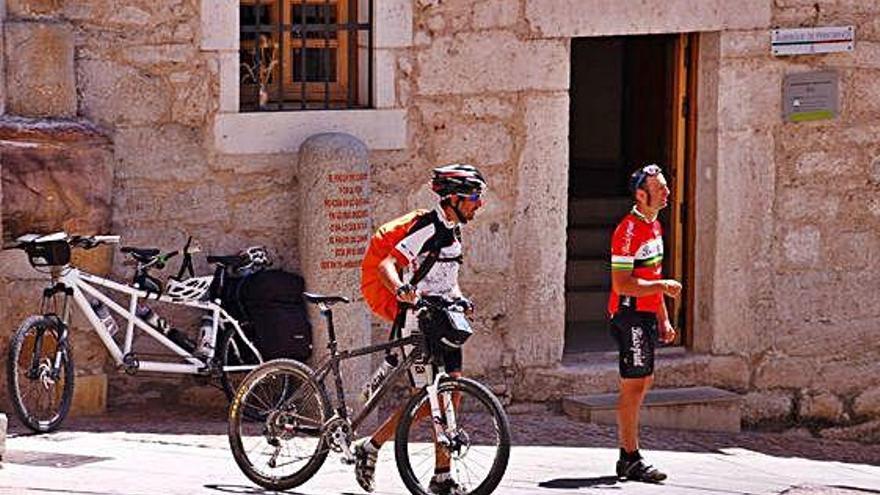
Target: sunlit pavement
{"type": "Point", "coordinates": [116, 459]}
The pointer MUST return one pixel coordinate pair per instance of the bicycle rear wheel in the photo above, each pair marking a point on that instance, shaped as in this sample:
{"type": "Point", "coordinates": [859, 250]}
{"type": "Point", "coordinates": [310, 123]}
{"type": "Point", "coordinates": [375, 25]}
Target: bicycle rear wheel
{"type": "Point", "coordinates": [41, 391]}
{"type": "Point", "coordinates": [479, 450]}
{"type": "Point", "coordinates": [285, 447]}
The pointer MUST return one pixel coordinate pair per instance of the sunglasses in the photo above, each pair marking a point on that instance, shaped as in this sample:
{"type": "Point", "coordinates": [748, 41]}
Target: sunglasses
{"type": "Point", "coordinates": [475, 196]}
{"type": "Point", "coordinates": [643, 174]}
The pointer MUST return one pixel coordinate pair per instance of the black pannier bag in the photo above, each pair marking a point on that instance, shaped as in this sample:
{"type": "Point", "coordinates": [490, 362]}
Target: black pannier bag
{"type": "Point", "coordinates": [270, 305]}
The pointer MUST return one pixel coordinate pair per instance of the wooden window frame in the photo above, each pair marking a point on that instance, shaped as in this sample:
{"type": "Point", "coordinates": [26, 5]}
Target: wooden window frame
{"type": "Point", "coordinates": [295, 92]}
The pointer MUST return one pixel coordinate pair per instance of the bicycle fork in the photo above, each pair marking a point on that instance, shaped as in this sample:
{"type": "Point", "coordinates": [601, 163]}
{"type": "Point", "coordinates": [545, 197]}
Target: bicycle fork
{"type": "Point", "coordinates": [443, 428]}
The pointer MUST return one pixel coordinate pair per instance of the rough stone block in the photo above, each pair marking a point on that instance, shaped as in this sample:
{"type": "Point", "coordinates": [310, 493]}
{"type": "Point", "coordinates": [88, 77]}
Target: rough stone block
{"type": "Point", "coordinates": [749, 94]}
{"type": "Point", "coordinates": [115, 94]}
{"type": "Point", "coordinates": [393, 23]}
{"type": "Point", "coordinates": [193, 98]}
{"type": "Point", "coordinates": [538, 256]}
{"type": "Point", "coordinates": [129, 16]}
{"type": "Point", "coordinates": [160, 58]}
{"type": "Point", "coordinates": [33, 8]}
{"type": "Point", "coordinates": [167, 152]}
{"type": "Point", "coordinates": [495, 13]}
{"type": "Point", "coordinates": [744, 43]}
{"type": "Point", "coordinates": [385, 86]}
{"type": "Point", "coordinates": [56, 175]}
{"type": "Point", "coordinates": [89, 395]}
{"type": "Point", "coordinates": [803, 246]}
{"type": "Point", "coordinates": [696, 408]}
{"type": "Point", "coordinates": [780, 371]}
{"type": "Point", "coordinates": [229, 77]}
{"type": "Point", "coordinates": [821, 406]}
{"type": "Point", "coordinates": [483, 143]}
{"type": "Point", "coordinates": [573, 18]}
{"type": "Point", "coordinates": [40, 79]}
{"type": "Point", "coordinates": [866, 432]}
{"type": "Point", "coordinates": [220, 28]}
{"type": "Point", "coordinates": [766, 406]}
{"type": "Point", "coordinates": [491, 107]}
{"type": "Point", "coordinates": [730, 372]}
{"type": "Point", "coordinates": [458, 65]}
{"type": "Point", "coordinates": [868, 403]}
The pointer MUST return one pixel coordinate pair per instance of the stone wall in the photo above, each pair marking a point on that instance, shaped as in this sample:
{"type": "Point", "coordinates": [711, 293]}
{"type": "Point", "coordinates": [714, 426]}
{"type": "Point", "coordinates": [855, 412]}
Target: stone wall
{"type": "Point", "coordinates": [790, 318]}
{"type": "Point", "coordinates": [814, 226]}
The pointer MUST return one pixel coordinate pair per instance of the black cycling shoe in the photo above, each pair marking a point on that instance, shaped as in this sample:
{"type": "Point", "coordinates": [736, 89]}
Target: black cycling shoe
{"type": "Point", "coordinates": [365, 465]}
{"type": "Point", "coordinates": [638, 470]}
{"type": "Point", "coordinates": [445, 487]}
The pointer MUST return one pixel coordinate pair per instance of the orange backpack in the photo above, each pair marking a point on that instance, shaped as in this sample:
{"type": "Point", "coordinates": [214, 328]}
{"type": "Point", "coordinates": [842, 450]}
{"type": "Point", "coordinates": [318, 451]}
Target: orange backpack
{"type": "Point", "coordinates": [382, 301]}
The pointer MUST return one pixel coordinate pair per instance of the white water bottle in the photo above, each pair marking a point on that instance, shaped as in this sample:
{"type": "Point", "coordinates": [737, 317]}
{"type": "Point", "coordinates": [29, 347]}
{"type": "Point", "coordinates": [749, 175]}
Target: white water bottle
{"type": "Point", "coordinates": [106, 318]}
{"type": "Point", "coordinates": [206, 328]}
{"type": "Point", "coordinates": [373, 384]}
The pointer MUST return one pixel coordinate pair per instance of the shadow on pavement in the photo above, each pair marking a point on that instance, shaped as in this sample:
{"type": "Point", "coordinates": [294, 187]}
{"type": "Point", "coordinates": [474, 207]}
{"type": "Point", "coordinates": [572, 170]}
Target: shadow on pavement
{"type": "Point", "coordinates": [244, 490]}
{"type": "Point", "coordinates": [575, 483]}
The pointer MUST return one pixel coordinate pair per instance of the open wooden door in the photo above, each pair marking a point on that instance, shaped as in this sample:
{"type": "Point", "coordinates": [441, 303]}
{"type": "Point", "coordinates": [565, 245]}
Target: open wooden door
{"type": "Point", "coordinates": [682, 158]}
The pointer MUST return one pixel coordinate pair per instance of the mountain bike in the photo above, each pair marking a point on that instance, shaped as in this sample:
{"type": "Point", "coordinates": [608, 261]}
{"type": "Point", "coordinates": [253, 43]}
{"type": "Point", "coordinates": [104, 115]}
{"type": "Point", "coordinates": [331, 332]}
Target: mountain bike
{"type": "Point", "coordinates": [40, 365]}
{"type": "Point", "coordinates": [457, 418]}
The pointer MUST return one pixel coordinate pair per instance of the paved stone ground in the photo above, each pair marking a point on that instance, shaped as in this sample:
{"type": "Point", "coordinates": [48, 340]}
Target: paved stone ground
{"type": "Point", "coordinates": [147, 452]}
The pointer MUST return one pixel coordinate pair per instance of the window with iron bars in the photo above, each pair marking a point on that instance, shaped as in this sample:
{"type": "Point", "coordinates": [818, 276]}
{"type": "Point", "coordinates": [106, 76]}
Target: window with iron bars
{"type": "Point", "coordinates": [305, 54]}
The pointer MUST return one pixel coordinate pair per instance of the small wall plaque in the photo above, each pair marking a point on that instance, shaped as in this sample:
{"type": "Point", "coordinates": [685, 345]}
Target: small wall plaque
{"type": "Point", "coordinates": [804, 41]}
{"type": "Point", "coordinates": [810, 96]}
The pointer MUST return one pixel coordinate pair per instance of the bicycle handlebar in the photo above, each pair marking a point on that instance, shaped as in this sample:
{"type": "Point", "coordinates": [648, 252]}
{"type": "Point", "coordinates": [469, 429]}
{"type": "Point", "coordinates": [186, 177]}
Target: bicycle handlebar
{"type": "Point", "coordinates": [93, 241]}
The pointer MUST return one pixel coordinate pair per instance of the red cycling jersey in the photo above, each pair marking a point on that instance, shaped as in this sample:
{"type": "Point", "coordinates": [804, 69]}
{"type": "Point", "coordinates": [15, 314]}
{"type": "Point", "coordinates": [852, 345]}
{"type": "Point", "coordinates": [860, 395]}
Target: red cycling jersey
{"type": "Point", "coordinates": [637, 246]}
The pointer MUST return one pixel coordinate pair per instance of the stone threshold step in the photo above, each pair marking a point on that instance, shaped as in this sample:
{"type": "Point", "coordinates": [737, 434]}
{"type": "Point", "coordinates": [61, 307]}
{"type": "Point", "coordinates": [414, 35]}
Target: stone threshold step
{"type": "Point", "coordinates": [692, 408]}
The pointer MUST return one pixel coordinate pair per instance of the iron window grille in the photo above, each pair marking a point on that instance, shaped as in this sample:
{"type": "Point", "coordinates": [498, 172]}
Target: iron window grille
{"type": "Point", "coordinates": [305, 55]}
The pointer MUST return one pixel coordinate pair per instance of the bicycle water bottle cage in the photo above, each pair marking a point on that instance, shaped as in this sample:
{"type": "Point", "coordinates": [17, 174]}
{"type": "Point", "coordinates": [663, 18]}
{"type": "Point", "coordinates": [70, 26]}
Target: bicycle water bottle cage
{"type": "Point", "coordinates": [147, 283]}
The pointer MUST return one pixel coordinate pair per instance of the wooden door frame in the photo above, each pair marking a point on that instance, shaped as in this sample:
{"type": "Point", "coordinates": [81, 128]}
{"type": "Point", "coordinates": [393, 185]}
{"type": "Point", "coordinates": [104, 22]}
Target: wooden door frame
{"type": "Point", "coordinates": [682, 166]}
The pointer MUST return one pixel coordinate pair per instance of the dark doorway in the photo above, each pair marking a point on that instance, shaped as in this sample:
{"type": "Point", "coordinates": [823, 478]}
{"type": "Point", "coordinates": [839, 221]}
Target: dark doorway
{"type": "Point", "coordinates": [628, 108]}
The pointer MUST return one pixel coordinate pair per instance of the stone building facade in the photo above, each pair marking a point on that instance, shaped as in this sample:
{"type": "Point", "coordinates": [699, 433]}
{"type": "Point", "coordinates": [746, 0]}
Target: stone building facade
{"type": "Point", "coordinates": [786, 226]}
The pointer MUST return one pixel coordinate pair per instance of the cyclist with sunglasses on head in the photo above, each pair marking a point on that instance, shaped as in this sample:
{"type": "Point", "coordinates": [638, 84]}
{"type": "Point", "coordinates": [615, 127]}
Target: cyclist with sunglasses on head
{"type": "Point", "coordinates": [430, 238]}
{"type": "Point", "coordinates": [638, 311]}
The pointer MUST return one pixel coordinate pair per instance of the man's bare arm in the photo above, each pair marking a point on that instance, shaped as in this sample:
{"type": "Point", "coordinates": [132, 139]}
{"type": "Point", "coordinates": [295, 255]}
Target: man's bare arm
{"type": "Point", "coordinates": [624, 283]}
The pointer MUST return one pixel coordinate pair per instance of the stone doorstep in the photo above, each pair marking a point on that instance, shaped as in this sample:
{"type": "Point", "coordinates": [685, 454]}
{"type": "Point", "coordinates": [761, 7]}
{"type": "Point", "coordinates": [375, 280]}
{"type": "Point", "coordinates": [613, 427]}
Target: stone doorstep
{"type": "Point", "coordinates": [89, 395]}
{"type": "Point", "coordinates": [693, 408]}
{"type": "Point", "coordinates": [3, 424]}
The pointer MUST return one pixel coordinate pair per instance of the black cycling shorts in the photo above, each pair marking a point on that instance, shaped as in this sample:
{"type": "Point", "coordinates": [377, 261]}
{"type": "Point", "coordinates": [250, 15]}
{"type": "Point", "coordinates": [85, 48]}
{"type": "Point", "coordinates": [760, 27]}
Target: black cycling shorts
{"type": "Point", "coordinates": [636, 336]}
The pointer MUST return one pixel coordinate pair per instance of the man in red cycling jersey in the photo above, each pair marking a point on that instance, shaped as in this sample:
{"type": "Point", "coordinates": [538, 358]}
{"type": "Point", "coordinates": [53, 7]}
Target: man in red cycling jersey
{"type": "Point", "coordinates": [386, 281]}
{"type": "Point", "coordinates": [638, 311]}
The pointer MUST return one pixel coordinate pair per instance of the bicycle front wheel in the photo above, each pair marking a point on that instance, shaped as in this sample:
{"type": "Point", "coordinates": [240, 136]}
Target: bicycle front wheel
{"type": "Point", "coordinates": [477, 444]}
{"type": "Point", "coordinates": [39, 372]}
{"type": "Point", "coordinates": [284, 447]}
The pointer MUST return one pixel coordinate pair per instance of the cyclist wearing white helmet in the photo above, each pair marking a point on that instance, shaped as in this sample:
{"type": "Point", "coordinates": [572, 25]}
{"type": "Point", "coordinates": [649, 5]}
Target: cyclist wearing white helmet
{"type": "Point", "coordinates": [396, 252]}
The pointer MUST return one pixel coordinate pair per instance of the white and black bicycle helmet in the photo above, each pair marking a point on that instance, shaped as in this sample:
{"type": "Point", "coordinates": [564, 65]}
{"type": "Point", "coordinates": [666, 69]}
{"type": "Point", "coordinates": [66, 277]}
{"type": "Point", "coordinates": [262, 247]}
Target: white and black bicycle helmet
{"type": "Point", "coordinates": [457, 178]}
{"type": "Point", "coordinates": [191, 289]}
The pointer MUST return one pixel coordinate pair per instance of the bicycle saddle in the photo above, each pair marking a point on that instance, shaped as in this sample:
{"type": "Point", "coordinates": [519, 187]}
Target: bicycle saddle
{"type": "Point", "coordinates": [140, 254]}
{"type": "Point", "coordinates": [328, 300]}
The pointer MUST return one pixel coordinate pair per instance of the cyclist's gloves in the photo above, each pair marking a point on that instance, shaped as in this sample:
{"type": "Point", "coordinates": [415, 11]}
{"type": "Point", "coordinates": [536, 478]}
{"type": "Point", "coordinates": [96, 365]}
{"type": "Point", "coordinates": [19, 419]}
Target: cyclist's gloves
{"type": "Point", "coordinates": [465, 304]}
{"type": "Point", "coordinates": [405, 289]}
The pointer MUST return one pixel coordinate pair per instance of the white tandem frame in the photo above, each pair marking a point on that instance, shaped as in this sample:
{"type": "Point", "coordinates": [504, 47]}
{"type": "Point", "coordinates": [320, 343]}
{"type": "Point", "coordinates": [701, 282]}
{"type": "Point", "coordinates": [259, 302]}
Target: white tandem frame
{"type": "Point", "coordinates": [83, 283]}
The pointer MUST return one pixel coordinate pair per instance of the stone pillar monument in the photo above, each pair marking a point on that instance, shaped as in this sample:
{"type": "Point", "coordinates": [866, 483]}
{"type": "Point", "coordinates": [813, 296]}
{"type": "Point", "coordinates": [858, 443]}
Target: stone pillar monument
{"type": "Point", "coordinates": [334, 233]}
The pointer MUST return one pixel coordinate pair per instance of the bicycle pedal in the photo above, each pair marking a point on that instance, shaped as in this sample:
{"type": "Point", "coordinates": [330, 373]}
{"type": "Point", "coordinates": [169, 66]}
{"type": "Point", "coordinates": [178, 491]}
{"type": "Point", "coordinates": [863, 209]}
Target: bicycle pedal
{"type": "Point", "coordinates": [345, 460]}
